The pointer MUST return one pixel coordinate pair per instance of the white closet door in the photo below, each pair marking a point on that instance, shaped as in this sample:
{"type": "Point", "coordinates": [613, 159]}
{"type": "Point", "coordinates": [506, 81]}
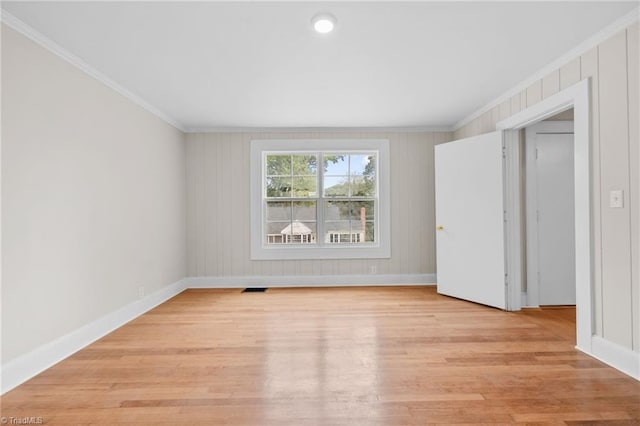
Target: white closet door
{"type": "Point", "coordinates": [470, 219]}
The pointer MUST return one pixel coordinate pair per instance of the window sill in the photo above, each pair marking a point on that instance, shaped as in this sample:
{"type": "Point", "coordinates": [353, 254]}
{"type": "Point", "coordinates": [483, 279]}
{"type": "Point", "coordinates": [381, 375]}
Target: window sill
{"type": "Point", "coordinates": [300, 252]}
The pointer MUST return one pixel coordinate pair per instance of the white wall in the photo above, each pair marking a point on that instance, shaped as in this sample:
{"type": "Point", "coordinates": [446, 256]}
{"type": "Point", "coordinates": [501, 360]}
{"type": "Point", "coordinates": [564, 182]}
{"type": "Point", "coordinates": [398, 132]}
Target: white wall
{"type": "Point", "coordinates": [613, 68]}
{"type": "Point", "coordinates": [218, 208]}
{"type": "Point", "coordinates": [93, 199]}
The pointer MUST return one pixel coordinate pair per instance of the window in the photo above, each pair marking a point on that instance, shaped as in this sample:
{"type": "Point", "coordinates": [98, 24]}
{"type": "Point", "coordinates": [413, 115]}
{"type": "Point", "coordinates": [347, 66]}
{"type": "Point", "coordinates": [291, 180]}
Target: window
{"type": "Point", "coordinates": [319, 199]}
{"type": "Point", "coordinates": [344, 188]}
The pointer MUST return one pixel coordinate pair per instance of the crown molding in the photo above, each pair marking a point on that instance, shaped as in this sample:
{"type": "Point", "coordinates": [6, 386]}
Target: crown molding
{"type": "Point", "coordinates": [34, 35]}
{"type": "Point", "coordinates": [29, 32]}
{"type": "Point", "coordinates": [410, 129]}
{"type": "Point", "coordinates": [593, 41]}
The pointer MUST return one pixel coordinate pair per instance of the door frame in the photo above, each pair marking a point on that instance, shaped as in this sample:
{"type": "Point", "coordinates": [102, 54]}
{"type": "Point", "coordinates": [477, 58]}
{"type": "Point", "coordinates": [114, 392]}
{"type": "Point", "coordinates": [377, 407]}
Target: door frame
{"type": "Point", "coordinates": [533, 282]}
{"type": "Point", "coordinates": [577, 96]}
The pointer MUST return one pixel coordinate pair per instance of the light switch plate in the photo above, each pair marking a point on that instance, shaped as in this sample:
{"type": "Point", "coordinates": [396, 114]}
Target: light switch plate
{"type": "Point", "coordinates": [616, 199]}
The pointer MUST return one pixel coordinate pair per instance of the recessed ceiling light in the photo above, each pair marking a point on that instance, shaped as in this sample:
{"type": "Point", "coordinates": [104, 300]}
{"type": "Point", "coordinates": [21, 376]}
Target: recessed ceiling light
{"type": "Point", "coordinates": [323, 23]}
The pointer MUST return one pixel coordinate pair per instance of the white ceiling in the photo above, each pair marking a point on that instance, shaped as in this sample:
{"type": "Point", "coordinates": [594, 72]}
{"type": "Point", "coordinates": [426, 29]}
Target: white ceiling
{"type": "Point", "coordinates": [259, 64]}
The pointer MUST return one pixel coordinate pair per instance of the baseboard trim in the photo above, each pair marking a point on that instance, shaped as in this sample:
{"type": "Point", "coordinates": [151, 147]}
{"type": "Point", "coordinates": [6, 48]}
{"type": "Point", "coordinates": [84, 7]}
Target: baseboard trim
{"type": "Point", "coordinates": [310, 281]}
{"type": "Point", "coordinates": [29, 365]}
{"type": "Point", "coordinates": [618, 357]}
{"type": "Point", "coordinates": [21, 369]}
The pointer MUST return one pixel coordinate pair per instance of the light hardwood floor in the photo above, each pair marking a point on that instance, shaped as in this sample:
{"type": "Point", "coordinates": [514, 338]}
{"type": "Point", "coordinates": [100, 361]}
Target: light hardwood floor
{"type": "Point", "coordinates": [331, 356]}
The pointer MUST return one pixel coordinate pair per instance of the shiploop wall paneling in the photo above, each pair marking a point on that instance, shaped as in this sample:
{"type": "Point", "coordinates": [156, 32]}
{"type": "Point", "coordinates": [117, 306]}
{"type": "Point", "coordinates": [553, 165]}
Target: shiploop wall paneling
{"type": "Point", "coordinates": [613, 69]}
{"type": "Point", "coordinates": [218, 208]}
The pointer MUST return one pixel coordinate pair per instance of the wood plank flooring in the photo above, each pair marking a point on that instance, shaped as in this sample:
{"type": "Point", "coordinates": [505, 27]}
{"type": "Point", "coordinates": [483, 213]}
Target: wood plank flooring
{"type": "Point", "coordinates": [331, 356]}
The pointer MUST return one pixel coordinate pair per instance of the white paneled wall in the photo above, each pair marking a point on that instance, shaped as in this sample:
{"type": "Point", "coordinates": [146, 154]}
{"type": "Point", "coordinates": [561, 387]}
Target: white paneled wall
{"type": "Point", "coordinates": [633, 79]}
{"type": "Point", "coordinates": [218, 208]}
{"type": "Point", "coordinates": [614, 174]}
{"type": "Point", "coordinates": [613, 69]}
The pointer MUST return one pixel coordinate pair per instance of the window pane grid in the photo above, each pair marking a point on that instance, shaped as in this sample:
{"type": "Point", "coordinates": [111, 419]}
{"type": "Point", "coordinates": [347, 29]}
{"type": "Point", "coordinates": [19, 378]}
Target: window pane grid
{"type": "Point", "coordinates": [334, 205]}
{"type": "Point", "coordinates": [290, 175]}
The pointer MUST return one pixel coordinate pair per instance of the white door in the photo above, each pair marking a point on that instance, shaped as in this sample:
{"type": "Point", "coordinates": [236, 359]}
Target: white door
{"type": "Point", "coordinates": [470, 219]}
{"type": "Point", "coordinates": [553, 223]}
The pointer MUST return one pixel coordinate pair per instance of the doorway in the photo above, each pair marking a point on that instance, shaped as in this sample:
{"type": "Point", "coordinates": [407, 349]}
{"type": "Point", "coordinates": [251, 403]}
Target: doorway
{"type": "Point", "coordinates": [507, 210]}
{"type": "Point", "coordinates": [578, 98]}
{"type": "Point", "coordinates": [549, 212]}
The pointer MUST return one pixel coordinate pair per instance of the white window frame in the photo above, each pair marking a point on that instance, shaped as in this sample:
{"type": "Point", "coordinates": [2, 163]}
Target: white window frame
{"type": "Point", "coordinates": [379, 249]}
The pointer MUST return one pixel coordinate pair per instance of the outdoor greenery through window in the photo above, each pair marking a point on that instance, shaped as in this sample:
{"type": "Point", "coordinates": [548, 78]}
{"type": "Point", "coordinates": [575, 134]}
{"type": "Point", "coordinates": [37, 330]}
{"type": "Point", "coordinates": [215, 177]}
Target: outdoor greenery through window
{"type": "Point", "coordinates": [320, 198]}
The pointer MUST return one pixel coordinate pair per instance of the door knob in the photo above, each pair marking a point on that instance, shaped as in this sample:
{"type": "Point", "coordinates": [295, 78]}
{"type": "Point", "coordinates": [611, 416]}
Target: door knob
{"type": "Point", "coordinates": [439, 228]}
